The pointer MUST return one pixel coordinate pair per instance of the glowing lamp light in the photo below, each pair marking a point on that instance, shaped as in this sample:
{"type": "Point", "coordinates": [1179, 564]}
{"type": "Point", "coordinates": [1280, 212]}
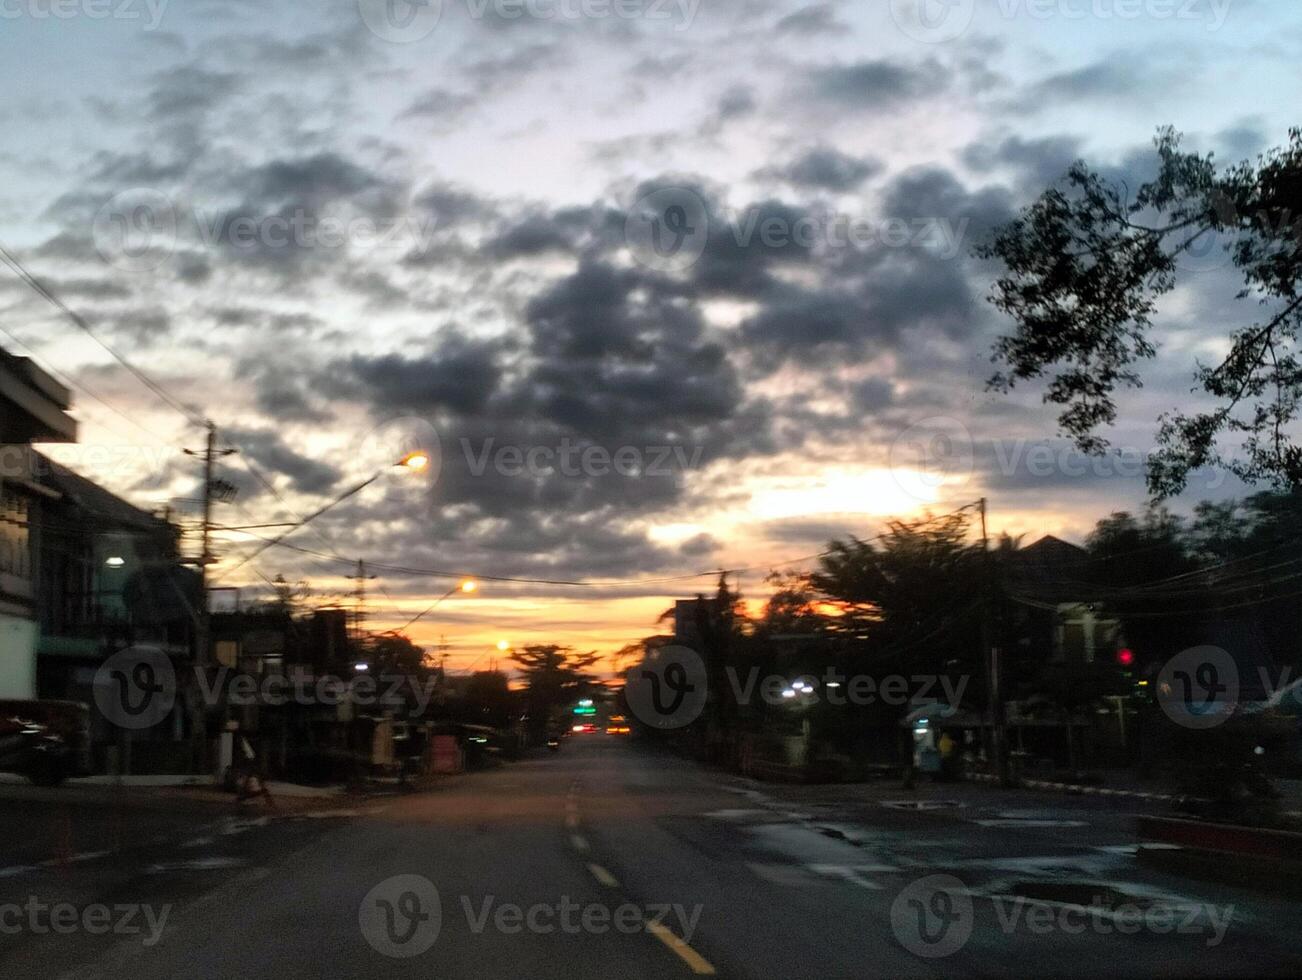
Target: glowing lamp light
{"type": "Point", "coordinates": [115, 561]}
{"type": "Point", "coordinates": [468, 586]}
{"type": "Point", "coordinates": [415, 461]}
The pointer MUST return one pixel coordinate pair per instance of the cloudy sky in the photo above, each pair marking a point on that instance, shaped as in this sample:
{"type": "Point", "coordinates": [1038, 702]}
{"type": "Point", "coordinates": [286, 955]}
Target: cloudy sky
{"type": "Point", "coordinates": [667, 286]}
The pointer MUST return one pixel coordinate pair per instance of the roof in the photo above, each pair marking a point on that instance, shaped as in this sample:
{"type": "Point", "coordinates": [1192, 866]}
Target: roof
{"type": "Point", "coordinates": [91, 497]}
{"type": "Point", "coordinates": [32, 404]}
{"type": "Point", "coordinates": [1051, 569]}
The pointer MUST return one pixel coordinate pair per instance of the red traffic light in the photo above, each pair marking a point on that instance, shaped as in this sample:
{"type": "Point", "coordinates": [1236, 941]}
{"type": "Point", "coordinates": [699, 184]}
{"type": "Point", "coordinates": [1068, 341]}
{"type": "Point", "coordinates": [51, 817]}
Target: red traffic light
{"type": "Point", "coordinates": [1125, 657]}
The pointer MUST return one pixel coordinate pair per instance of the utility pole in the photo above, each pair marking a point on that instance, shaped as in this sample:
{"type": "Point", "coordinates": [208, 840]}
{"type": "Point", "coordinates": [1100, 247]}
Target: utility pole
{"type": "Point", "coordinates": [991, 653]}
{"type": "Point", "coordinates": [202, 639]}
{"type": "Point", "coordinates": [359, 593]}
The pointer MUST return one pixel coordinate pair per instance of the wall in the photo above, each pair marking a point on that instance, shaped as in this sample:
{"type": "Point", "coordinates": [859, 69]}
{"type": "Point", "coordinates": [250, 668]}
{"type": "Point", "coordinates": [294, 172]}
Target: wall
{"type": "Point", "coordinates": [17, 658]}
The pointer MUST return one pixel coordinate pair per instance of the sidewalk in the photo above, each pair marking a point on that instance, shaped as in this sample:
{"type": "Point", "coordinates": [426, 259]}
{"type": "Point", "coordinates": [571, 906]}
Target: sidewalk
{"type": "Point", "coordinates": [1125, 784]}
{"type": "Point", "coordinates": [172, 781]}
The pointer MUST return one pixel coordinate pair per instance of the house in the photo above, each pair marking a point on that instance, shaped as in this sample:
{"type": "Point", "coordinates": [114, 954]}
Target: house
{"type": "Point", "coordinates": [1064, 621]}
{"type": "Point", "coordinates": [33, 409]}
{"type": "Point", "coordinates": [109, 576]}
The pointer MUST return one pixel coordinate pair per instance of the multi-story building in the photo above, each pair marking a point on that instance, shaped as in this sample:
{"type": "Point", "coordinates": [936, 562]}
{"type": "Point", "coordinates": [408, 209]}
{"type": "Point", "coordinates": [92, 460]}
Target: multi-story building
{"type": "Point", "coordinates": [33, 409]}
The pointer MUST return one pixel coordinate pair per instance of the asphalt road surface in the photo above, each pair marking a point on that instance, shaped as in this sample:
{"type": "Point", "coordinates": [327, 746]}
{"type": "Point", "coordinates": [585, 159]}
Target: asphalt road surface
{"type": "Point", "coordinates": [607, 861]}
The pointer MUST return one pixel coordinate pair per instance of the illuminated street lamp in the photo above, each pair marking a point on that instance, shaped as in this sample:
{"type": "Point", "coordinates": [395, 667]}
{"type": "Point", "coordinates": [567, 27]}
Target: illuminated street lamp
{"type": "Point", "coordinates": [467, 586]}
{"type": "Point", "coordinates": [417, 460]}
{"type": "Point", "coordinates": [413, 462]}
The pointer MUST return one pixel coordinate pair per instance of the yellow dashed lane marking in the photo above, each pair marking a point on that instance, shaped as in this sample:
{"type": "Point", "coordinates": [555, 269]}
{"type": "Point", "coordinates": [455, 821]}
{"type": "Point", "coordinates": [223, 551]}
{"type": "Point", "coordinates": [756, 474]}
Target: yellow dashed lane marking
{"type": "Point", "coordinates": [603, 876]}
{"type": "Point", "coordinates": [698, 963]}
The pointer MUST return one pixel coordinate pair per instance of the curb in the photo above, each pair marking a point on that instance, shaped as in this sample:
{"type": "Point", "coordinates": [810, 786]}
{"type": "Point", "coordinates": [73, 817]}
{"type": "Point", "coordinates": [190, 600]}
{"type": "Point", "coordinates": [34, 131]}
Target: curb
{"type": "Point", "coordinates": [1073, 788]}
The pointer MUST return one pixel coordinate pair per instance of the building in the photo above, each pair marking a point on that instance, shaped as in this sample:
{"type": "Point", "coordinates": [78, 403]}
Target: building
{"type": "Point", "coordinates": [33, 409]}
{"type": "Point", "coordinates": [1064, 620]}
{"type": "Point", "coordinates": [109, 576]}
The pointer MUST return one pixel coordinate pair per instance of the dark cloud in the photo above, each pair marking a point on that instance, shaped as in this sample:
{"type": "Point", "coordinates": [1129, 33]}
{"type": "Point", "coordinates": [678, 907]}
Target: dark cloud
{"type": "Point", "coordinates": [1120, 75]}
{"type": "Point", "coordinates": [1042, 162]}
{"type": "Point", "coordinates": [817, 18]}
{"type": "Point", "coordinates": [269, 451]}
{"type": "Point", "coordinates": [737, 102]}
{"type": "Point", "coordinates": [825, 168]}
{"type": "Point", "coordinates": [925, 194]}
{"type": "Point", "coordinates": [462, 375]}
{"type": "Point", "coordinates": [187, 93]}
{"type": "Point", "coordinates": [879, 84]}
{"type": "Point", "coordinates": [440, 103]}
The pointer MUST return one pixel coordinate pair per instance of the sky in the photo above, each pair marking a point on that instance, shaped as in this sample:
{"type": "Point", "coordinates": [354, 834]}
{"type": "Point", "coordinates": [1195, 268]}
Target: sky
{"type": "Point", "coordinates": [662, 286]}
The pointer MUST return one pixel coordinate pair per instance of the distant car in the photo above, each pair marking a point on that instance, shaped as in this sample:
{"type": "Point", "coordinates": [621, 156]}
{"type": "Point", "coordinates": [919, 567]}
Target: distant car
{"type": "Point", "coordinates": [46, 741]}
{"type": "Point", "coordinates": [617, 729]}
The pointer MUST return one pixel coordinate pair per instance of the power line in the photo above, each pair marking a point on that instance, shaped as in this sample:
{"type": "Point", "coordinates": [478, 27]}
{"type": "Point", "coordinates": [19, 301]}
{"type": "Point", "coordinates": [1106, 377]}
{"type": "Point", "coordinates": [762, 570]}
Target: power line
{"type": "Point", "coordinates": [611, 583]}
{"type": "Point", "coordinates": [44, 292]}
{"type": "Point", "coordinates": [86, 390]}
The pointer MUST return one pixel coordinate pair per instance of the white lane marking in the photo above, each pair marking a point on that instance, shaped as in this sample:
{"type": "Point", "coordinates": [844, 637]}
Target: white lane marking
{"type": "Point", "coordinates": [1031, 823]}
{"type": "Point", "coordinates": [579, 843]}
{"type": "Point", "coordinates": [603, 876]}
{"type": "Point", "coordinates": [847, 873]}
{"type": "Point", "coordinates": [922, 804]}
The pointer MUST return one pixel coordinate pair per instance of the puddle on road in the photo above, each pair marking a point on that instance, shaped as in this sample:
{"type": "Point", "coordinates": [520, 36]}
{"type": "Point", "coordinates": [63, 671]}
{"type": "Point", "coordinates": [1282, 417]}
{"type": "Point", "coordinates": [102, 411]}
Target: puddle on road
{"type": "Point", "coordinates": [922, 804]}
{"type": "Point", "coordinates": [1084, 893]}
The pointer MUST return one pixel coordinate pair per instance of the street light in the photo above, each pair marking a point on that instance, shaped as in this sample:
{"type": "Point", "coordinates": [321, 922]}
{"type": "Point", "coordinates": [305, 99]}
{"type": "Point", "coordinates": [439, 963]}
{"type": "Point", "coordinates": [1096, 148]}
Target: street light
{"type": "Point", "coordinates": [468, 586]}
{"type": "Point", "coordinates": [413, 462]}
{"type": "Point", "coordinates": [416, 461]}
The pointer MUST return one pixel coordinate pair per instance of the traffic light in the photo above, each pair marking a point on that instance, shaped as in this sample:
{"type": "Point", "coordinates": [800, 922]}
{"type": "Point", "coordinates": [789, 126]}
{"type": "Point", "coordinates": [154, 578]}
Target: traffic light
{"type": "Point", "coordinates": [1126, 657]}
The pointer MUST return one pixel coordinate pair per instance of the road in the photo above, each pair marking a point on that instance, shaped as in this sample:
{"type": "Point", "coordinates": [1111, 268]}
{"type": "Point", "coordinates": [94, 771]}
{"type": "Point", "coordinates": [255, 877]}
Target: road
{"type": "Point", "coordinates": [608, 861]}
